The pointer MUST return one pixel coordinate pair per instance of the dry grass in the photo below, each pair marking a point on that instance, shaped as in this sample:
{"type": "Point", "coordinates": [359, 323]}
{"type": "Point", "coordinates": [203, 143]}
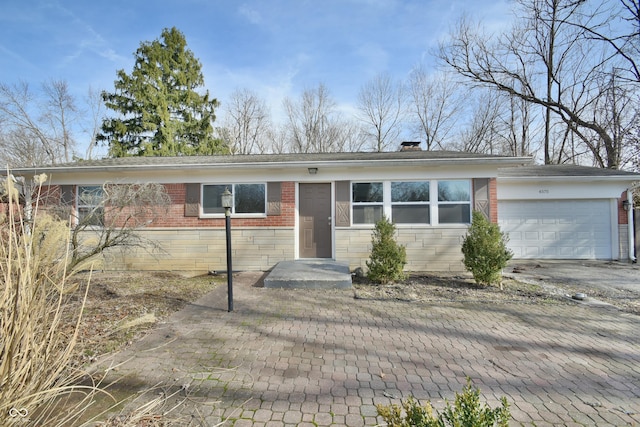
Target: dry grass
{"type": "Point", "coordinates": [121, 306]}
{"type": "Point", "coordinates": [36, 342]}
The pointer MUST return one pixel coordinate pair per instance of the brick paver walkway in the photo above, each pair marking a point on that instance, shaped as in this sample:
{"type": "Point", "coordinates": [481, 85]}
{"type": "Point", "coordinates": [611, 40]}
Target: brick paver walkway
{"type": "Point", "coordinates": [319, 358]}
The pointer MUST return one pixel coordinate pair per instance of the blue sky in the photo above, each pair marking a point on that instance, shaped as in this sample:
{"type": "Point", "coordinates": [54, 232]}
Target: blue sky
{"type": "Point", "coordinates": [276, 48]}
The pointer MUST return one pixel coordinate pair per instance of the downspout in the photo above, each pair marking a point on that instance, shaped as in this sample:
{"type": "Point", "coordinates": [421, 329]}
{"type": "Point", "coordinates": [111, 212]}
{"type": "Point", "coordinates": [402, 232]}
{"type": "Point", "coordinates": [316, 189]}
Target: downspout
{"type": "Point", "coordinates": [630, 232]}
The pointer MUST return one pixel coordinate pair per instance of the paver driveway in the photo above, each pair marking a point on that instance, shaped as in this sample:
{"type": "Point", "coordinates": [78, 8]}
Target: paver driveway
{"type": "Point", "coordinates": [310, 357]}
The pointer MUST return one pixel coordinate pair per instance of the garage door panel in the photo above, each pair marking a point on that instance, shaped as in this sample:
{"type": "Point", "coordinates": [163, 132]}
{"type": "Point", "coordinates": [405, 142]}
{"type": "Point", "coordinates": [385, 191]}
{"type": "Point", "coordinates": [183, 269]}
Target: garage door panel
{"type": "Point", "coordinates": [577, 229]}
{"type": "Point", "coordinates": [531, 235]}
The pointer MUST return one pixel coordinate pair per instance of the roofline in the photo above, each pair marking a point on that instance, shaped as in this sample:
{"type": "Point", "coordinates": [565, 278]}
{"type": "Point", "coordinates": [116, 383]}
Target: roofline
{"type": "Point", "coordinates": [570, 178]}
{"type": "Point", "coordinates": [274, 165]}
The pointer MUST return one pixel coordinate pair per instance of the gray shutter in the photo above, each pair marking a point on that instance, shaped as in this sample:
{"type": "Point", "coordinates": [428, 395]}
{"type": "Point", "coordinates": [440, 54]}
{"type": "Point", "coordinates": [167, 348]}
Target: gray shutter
{"type": "Point", "coordinates": [481, 201]}
{"type": "Point", "coordinates": [68, 195]}
{"type": "Point", "coordinates": [192, 200]}
{"type": "Point", "coordinates": [343, 203]}
{"type": "Point", "coordinates": [274, 198]}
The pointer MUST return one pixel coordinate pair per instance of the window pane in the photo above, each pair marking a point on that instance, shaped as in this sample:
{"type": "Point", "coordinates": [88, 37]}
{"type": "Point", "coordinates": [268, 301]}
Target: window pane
{"type": "Point", "coordinates": [249, 198]}
{"type": "Point", "coordinates": [410, 214]}
{"type": "Point", "coordinates": [367, 192]}
{"type": "Point", "coordinates": [453, 191]}
{"type": "Point", "coordinates": [454, 213]}
{"type": "Point", "coordinates": [211, 201]}
{"type": "Point", "coordinates": [366, 214]}
{"type": "Point", "coordinates": [91, 216]}
{"type": "Point", "coordinates": [90, 211]}
{"type": "Point", "coordinates": [410, 191]}
{"type": "Point", "coordinates": [90, 195]}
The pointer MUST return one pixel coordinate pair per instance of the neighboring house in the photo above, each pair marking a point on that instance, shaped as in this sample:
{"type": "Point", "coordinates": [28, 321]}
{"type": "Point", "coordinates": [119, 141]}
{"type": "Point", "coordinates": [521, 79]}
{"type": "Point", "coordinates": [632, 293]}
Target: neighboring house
{"type": "Point", "coordinates": [308, 206]}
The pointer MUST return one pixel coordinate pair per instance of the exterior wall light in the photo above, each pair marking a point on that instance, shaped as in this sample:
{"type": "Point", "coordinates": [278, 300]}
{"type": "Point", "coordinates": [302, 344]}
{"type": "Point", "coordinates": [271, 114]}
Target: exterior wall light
{"type": "Point", "coordinates": [626, 205]}
{"type": "Point", "coordinates": [227, 203]}
{"type": "Point", "coordinates": [313, 171]}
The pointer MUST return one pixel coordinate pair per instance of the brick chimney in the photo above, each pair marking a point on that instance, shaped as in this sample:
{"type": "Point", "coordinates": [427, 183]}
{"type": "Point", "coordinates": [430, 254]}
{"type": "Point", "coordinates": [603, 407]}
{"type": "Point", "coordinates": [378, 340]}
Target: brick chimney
{"type": "Point", "coordinates": [410, 146]}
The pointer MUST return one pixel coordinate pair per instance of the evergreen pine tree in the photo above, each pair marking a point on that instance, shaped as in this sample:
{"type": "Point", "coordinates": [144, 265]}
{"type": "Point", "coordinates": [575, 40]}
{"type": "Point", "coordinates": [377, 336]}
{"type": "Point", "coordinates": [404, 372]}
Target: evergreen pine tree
{"type": "Point", "coordinates": [160, 110]}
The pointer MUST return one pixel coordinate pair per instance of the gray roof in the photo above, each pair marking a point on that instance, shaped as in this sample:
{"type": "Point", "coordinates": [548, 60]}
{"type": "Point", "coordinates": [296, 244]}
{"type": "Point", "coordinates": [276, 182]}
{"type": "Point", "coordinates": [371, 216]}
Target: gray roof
{"type": "Point", "coordinates": [564, 171]}
{"type": "Point", "coordinates": [277, 160]}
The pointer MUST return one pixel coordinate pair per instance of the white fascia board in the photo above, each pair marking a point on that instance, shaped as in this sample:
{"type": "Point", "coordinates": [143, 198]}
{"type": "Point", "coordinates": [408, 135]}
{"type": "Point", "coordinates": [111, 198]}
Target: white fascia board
{"type": "Point", "coordinates": [249, 173]}
{"type": "Point", "coordinates": [561, 189]}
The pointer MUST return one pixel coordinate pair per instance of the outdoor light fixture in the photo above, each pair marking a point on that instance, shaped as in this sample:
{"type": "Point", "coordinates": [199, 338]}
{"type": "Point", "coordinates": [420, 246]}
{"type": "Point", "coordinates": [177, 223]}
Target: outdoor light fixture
{"type": "Point", "coordinates": [626, 205]}
{"type": "Point", "coordinates": [313, 171]}
{"type": "Point", "coordinates": [227, 203]}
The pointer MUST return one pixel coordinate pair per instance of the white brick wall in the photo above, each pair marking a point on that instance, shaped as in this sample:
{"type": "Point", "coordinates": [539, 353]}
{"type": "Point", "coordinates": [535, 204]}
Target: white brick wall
{"type": "Point", "coordinates": [197, 251]}
{"type": "Point", "coordinates": [428, 249]}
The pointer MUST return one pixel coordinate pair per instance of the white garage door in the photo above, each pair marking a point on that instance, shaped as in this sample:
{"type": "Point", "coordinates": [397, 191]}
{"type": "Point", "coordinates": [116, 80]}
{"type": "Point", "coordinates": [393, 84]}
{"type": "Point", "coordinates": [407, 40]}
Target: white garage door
{"type": "Point", "coordinates": [576, 229]}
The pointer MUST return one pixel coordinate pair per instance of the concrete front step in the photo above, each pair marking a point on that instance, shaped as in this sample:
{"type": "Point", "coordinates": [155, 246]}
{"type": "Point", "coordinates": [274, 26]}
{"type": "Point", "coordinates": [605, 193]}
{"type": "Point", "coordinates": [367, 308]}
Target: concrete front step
{"type": "Point", "coordinates": [309, 274]}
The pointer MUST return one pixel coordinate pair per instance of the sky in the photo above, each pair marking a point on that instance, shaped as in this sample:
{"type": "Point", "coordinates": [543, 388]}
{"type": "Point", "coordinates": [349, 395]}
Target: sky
{"type": "Point", "coordinates": [275, 48]}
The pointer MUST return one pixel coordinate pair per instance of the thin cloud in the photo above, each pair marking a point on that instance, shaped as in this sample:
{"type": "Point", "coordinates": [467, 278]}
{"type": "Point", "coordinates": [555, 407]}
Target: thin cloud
{"type": "Point", "coordinates": [252, 14]}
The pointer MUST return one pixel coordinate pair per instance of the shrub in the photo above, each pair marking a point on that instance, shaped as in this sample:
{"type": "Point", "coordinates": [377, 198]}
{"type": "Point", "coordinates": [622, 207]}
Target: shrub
{"type": "Point", "coordinates": [467, 411]}
{"type": "Point", "coordinates": [388, 258]}
{"type": "Point", "coordinates": [485, 250]}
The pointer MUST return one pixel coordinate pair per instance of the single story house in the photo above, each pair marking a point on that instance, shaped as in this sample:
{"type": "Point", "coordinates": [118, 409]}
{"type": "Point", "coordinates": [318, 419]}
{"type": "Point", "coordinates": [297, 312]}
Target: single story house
{"type": "Point", "coordinates": [309, 206]}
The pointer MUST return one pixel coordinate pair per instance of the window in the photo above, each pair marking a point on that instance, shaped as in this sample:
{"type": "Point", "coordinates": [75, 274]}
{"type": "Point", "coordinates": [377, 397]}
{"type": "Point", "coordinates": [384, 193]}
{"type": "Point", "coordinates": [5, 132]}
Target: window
{"type": "Point", "coordinates": [90, 209]}
{"type": "Point", "coordinates": [367, 199]}
{"type": "Point", "coordinates": [410, 202]}
{"type": "Point", "coordinates": [454, 202]}
{"type": "Point", "coordinates": [247, 198]}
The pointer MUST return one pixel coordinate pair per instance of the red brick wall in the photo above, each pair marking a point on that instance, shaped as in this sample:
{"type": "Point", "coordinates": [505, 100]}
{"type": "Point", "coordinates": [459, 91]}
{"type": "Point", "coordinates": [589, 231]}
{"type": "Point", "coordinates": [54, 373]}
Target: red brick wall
{"type": "Point", "coordinates": [623, 217]}
{"type": "Point", "coordinates": [176, 217]}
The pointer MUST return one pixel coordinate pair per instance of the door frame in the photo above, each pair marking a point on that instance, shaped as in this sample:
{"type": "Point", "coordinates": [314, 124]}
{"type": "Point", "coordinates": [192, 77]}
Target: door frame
{"type": "Point", "coordinates": [333, 218]}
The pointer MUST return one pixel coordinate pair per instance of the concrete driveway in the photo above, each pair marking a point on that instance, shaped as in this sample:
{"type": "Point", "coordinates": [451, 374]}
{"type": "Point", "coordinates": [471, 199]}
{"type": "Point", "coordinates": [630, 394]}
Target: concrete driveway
{"type": "Point", "coordinates": [322, 358]}
{"type": "Point", "coordinates": [604, 275]}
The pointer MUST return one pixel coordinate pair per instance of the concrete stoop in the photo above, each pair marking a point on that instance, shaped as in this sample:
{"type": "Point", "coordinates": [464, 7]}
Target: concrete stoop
{"type": "Point", "coordinates": [309, 274]}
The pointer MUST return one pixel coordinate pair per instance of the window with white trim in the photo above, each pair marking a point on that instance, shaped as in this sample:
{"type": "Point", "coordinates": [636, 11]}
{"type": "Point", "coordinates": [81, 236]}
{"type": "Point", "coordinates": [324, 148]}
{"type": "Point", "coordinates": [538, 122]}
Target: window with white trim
{"type": "Point", "coordinates": [248, 199]}
{"type": "Point", "coordinates": [454, 202]}
{"type": "Point", "coordinates": [410, 202]}
{"type": "Point", "coordinates": [89, 205]}
{"type": "Point", "coordinates": [367, 202]}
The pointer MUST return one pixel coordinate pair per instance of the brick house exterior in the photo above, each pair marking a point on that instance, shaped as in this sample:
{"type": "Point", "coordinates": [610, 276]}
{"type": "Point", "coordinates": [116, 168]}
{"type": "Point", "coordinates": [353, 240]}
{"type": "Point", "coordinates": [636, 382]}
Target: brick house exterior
{"type": "Point", "coordinates": [298, 206]}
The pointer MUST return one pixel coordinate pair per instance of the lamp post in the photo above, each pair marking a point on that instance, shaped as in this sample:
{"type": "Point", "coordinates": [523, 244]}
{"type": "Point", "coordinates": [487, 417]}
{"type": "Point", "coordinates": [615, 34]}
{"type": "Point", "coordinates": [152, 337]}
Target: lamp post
{"type": "Point", "coordinates": [227, 204]}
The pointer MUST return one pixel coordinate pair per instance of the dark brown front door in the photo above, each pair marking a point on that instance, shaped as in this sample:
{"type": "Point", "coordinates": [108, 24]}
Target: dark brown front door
{"type": "Point", "coordinates": [315, 221]}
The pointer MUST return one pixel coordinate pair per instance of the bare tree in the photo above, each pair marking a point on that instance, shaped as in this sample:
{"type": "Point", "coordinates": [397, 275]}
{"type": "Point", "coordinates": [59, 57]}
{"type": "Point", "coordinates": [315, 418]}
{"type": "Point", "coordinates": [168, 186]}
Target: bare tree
{"type": "Point", "coordinates": [618, 110]}
{"type": "Point", "coordinates": [517, 123]}
{"type": "Point", "coordinates": [112, 216]}
{"type": "Point", "coordinates": [59, 114]}
{"type": "Point", "coordinates": [37, 127]}
{"type": "Point", "coordinates": [96, 109]}
{"type": "Point", "coordinates": [314, 124]}
{"type": "Point", "coordinates": [545, 62]}
{"type": "Point", "coordinates": [479, 136]}
{"type": "Point", "coordinates": [246, 123]}
{"type": "Point", "coordinates": [278, 137]}
{"type": "Point", "coordinates": [382, 107]}
{"type": "Point", "coordinates": [435, 106]}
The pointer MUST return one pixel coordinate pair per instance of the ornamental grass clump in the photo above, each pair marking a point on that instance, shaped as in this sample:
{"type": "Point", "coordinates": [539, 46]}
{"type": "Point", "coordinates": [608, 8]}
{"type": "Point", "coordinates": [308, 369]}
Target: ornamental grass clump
{"type": "Point", "coordinates": [36, 343]}
{"type": "Point", "coordinates": [388, 258]}
{"type": "Point", "coordinates": [485, 251]}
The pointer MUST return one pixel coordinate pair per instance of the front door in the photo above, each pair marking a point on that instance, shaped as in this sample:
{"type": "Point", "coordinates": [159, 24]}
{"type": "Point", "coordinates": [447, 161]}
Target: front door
{"type": "Point", "coordinates": [315, 221]}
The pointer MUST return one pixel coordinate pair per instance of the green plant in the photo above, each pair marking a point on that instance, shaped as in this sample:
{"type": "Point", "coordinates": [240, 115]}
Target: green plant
{"type": "Point", "coordinates": [388, 258]}
{"type": "Point", "coordinates": [485, 250]}
{"type": "Point", "coordinates": [466, 411]}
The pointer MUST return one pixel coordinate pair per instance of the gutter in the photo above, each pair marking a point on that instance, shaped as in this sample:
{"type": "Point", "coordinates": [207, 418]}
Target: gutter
{"type": "Point", "coordinates": [630, 231]}
{"type": "Point", "coordinates": [334, 163]}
